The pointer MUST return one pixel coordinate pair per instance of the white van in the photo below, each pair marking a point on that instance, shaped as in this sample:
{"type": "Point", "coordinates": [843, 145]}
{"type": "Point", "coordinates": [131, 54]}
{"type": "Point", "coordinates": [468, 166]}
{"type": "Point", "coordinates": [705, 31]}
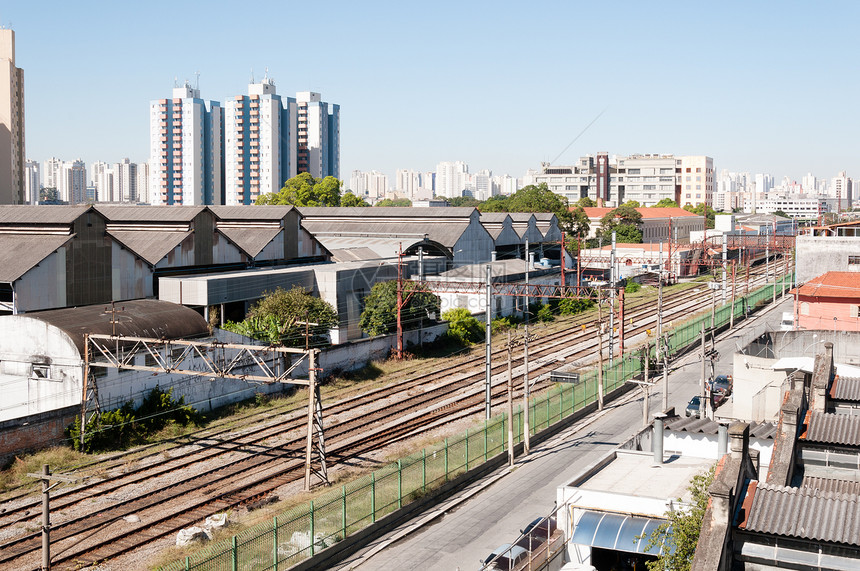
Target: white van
{"type": "Point", "coordinates": [787, 323]}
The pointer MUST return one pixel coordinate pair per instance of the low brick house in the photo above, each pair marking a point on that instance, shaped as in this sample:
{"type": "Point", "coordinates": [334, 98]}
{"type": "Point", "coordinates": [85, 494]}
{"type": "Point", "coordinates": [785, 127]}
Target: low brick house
{"type": "Point", "coordinates": [830, 301]}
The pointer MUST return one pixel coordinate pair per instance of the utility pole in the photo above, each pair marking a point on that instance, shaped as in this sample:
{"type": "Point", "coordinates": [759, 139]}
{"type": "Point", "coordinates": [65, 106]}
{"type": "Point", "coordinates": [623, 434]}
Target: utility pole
{"type": "Point", "coordinates": [526, 390]}
{"type": "Point", "coordinates": [705, 406]}
{"type": "Point", "coordinates": [646, 386]}
{"type": "Point", "coordinates": [46, 478]}
{"type": "Point", "coordinates": [732, 314]}
{"type": "Point", "coordinates": [660, 329]}
{"type": "Point", "coordinates": [599, 353]}
{"type": "Point", "coordinates": [725, 268]}
{"type": "Point", "coordinates": [621, 323]}
{"type": "Point", "coordinates": [510, 403]}
{"type": "Point", "coordinates": [400, 303]}
{"type": "Point", "coordinates": [489, 369]}
{"type": "Point", "coordinates": [612, 302]}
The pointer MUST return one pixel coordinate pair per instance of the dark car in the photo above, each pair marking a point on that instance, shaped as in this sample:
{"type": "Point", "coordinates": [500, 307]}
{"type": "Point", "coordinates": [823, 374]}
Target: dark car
{"type": "Point", "coordinates": [505, 556]}
{"type": "Point", "coordinates": [722, 384]}
{"type": "Point", "coordinates": [694, 407]}
{"type": "Point", "coordinates": [537, 532]}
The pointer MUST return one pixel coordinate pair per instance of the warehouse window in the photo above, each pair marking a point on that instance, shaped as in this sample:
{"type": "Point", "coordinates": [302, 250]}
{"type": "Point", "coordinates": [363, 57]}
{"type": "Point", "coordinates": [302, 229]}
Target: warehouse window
{"type": "Point", "coordinates": [41, 372]}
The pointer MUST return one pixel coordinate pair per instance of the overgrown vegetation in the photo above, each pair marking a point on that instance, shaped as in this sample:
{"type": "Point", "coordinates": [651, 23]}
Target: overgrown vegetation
{"type": "Point", "coordinates": [573, 306]}
{"type": "Point", "coordinates": [380, 308]}
{"type": "Point", "coordinates": [632, 287]}
{"type": "Point", "coordinates": [126, 426]}
{"type": "Point", "coordinates": [682, 528]}
{"type": "Point", "coordinates": [462, 326]}
{"type": "Point", "coordinates": [280, 317]}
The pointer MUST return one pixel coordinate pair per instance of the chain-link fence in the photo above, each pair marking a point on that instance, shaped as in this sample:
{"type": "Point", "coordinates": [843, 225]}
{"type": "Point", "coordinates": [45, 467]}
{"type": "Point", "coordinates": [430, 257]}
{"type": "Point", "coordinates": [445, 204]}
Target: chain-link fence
{"type": "Point", "coordinates": [331, 517]}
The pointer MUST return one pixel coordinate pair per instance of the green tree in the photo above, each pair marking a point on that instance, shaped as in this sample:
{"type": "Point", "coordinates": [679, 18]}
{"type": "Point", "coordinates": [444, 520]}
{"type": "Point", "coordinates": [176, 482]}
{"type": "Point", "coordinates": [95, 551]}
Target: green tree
{"type": "Point", "coordinates": [781, 213]}
{"type": "Point", "coordinates": [624, 221]}
{"type": "Point", "coordinates": [585, 202]}
{"type": "Point", "coordinates": [665, 203]}
{"type": "Point", "coordinates": [498, 203]}
{"type": "Point", "coordinates": [462, 326]}
{"type": "Point", "coordinates": [580, 224]}
{"type": "Point", "coordinates": [275, 318]}
{"type": "Point", "coordinates": [305, 190]}
{"type": "Point", "coordinates": [703, 210]}
{"type": "Point", "coordinates": [538, 198]}
{"type": "Point", "coordinates": [632, 204]}
{"type": "Point", "coordinates": [380, 307]}
{"type": "Point", "coordinates": [349, 199]}
{"type": "Point", "coordinates": [464, 201]}
{"type": "Point", "coordinates": [394, 202]}
{"type": "Point", "coordinates": [682, 528]}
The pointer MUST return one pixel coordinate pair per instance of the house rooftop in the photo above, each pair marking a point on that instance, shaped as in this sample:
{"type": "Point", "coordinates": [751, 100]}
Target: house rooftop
{"type": "Point", "coordinates": [831, 284]}
{"type": "Point", "coordinates": [646, 212]}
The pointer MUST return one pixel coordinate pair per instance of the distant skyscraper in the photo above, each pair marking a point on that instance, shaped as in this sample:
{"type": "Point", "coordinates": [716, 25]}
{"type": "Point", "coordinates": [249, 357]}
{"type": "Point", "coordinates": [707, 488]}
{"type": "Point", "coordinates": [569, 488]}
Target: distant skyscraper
{"type": "Point", "coordinates": [697, 180]}
{"type": "Point", "coordinates": [32, 182]}
{"type": "Point", "coordinates": [143, 182]}
{"type": "Point", "coordinates": [185, 149]}
{"type": "Point", "coordinates": [318, 136]}
{"type": "Point", "coordinates": [12, 156]}
{"type": "Point", "coordinates": [73, 182]}
{"type": "Point", "coordinates": [125, 181]}
{"type": "Point", "coordinates": [260, 144]}
{"type": "Point", "coordinates": [102, 180]}
{"type": "Point", "coordinates": [451, 178]}
{"type": "Point", "coordinates": [51, 170]}
{"type": "Point", "coordinates": [809, 183]}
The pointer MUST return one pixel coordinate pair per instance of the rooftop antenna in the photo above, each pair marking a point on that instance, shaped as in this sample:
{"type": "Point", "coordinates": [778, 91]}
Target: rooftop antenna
{"type": "Point", "coordinates": [252, 75]}
{"type": "Point", "coordinates": [197, 82]}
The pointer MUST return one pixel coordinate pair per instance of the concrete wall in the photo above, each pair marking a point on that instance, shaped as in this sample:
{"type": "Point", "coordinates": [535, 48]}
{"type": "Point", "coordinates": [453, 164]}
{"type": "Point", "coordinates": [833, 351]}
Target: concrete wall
{"type": "Point", "coordinates": [846, 344]}
{"type": "Point", "coordinates": [758, 389]}
{"type": "Point", "coordinates": [819, 254]}
{"type": "Point", "coordinates": [34, 432]}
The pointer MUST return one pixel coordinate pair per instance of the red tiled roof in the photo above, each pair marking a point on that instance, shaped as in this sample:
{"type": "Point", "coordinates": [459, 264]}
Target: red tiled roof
{"type": "Point", "coordinates": [832, 284]}
{"type": "Point", "coordinates": [647, 212]}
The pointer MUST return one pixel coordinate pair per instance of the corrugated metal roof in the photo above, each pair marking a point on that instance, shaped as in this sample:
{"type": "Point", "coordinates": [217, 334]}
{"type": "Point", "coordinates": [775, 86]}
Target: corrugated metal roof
{"type": "Point", "coordinates": [494, 217]}
{"type": "Point", "coordinates": [846, 388]}
{"type": "Point", "coordinates": [20, 253]}
{"type": "Point", "coordinates": [354, 254]}
{"type": "Point", "coordinates": [828, 428]}
{"type": "Point", "coordinates": [144, 213]}
{"type": "Point", "coordinates": [805, 513]}
{"type": "Point", "coordinates": [250, 240]}
{"type": "Point", "coordinates": [832, 284]}
{"type": "Point", "coordinates": [381, 247]}
{"type": "Point", "coordinates": [137, 318]}
{"type": "Point", "coordinates": [829, 485]}
{"type": "Point", "coordinates": [251, 212]}
{"type": "Point", "coordinates": [446, 233]}
{"type": "Point", "coordinates": [151, 246]}
{"type": "Point", "coordinates": [41, 214]}
{"type": "Point", "coordinates": [762, 430]}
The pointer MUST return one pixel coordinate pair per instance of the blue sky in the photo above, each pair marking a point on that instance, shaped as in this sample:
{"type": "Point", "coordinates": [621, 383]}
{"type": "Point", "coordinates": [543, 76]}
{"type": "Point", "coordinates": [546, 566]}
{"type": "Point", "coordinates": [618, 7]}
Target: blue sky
{"type": "Point", "coordinates": [759, 86]}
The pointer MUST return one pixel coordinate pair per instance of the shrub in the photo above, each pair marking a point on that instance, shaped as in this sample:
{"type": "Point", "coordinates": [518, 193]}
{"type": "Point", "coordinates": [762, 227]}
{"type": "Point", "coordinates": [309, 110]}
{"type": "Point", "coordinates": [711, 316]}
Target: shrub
{"type": "Point", "coordinates": [462, 326]}
{"type": "Point", "coordinates": [572, 305]}
{"type": "Point", "coordinates": [544, 314]}
{"type": "Point", "coordinates": [632, 287]}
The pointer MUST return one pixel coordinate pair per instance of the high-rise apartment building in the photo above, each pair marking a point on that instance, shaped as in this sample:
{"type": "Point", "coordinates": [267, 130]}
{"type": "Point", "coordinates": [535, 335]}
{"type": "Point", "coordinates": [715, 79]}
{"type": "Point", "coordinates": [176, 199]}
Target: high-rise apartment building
{"type": "Point", "coordinates": [72, 187]}
{"type": "Point", "coordinates": [186, 158]}
{"type": "Point", "coordinates": [143, 182]}
{"type": "Point", "coordinates": [125, 181]}
{"type": "Point", "coordinates": [101, 177]}
{"type": "Point", "coordinates": [12, 156]}
{"type": "Point", "coordinates": [51, 169]}
{"type": "Point", "coordinates": [318, 136]}
{"type": "Point", "coordinates": [696, 180]}
{"type": "Point", "coordinates": [32, 182]}
{"type": "Point", "coordinates": [451, 178]}
{"type": "Point", "coordinates": [259, 143]}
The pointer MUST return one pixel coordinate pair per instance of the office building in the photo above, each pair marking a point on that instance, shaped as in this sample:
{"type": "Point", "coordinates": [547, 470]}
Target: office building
{"type": "Point", "coordinates": [186, 157]}
{"type": "Point", "coordinates": [696, 180]}
{"type": "Point", "coordinates": [32, 182]}
{"type": "Point", "coordinates": [125, 181]}
{"type": "Point", "coordinates": [260, 151]}
{"type": "Point", "coordinates": [12, 156]}
{"type": "Point", "coordinates": [318, 136]}
{"type": "Point", "coordinates": [451, 179]}
{"type": "Point", "coordinates": [72, 187]}
{"type": "Point", "coordinates": [101, 177]}
{"type": "Point", "coordinates": [143, 182]}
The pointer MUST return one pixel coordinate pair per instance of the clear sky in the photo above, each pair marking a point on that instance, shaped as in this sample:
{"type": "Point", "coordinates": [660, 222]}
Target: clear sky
{"type": "Point", "coordinates": [759, 86]}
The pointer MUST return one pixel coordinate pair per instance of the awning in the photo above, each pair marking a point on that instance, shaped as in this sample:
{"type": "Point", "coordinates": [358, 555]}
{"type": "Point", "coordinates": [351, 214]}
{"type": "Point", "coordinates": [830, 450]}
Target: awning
{"type": "Point", "coordinates": [617, 532]}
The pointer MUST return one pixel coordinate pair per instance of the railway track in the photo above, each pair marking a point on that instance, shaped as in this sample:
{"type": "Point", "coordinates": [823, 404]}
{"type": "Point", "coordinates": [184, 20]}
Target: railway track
{"type": "Point", "coordinates": [411, 407]}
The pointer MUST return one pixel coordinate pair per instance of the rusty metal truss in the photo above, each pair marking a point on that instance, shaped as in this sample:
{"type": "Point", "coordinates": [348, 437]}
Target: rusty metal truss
{"type": "Point", "coordinates": [508, 289]}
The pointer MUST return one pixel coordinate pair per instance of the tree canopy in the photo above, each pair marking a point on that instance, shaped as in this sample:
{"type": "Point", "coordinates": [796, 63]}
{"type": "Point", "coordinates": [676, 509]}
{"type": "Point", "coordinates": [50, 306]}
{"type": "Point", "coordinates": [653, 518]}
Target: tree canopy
{"type": "Point", "coordinates": [305, 190]}
{"type": "Point", "coordinates": [349, 199]}
{"type": "Point", "coordinates": [538, 198]}
{"type": "Point", "coordinates": [275, 318]}
{"type": "Point", "coordinates": [682, 528]}
{"type": "Point", "coordinates": [394, 202]}
{"type": "Point", "coordinates": [585, 202]}
{"type": "Point", "coordinates": [380, 308]}
{"type": "Point", "coordinates": [464, 201]}
{"type": "Point", "coordinates": [624, 221]}
{"type": "Point", "coordinates": [703, 210]}
{"type": "Point", "coordinates": [665, 203]}
{"type": "Point", "coordinates": [632, 204]}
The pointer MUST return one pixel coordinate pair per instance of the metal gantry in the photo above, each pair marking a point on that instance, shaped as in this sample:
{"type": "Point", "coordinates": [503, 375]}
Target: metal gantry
{"type": "Point", "coordinates": [216, 360]}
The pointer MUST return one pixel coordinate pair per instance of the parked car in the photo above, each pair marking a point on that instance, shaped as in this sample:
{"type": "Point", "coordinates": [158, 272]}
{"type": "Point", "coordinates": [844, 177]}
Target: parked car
{"type": "Point", "coordinates": [537, 532]}
{"type": "Point", "coordinates": [722, 384]}
{"type": "Point", "coordinates": [509, 556]}
{"type": "Point", "coordinates": [694, 407]}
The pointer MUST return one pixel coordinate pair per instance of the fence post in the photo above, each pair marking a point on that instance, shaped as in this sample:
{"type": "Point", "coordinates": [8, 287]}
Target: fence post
{"type": "Point", "coordinates": [275, 542]}
{"type": "Point", "coordinates": [399, 483]}
{"type": "Point", "coordinates": [561, 403]}
{"type": "Point", "coordinates": [235, 554]}
{"type": "Point", "coordinates": [312, 528]}
{"type": "Point", "coordinates": [187, 563]}
{"type": "Point", "coordinates": [547, 409]}
{"type": "Point", "coordinates": [446, 459]}
{"type": "Point", "coordinates": [343, 510]}
{"type": "Point", "coordinates": [423, 469]}
{"type": "Point", "coordinates": [467, 449]}
{"type": "Point", "coordinates": [485, 436]}
{"type": "Point", "coordinates": [373, 497]}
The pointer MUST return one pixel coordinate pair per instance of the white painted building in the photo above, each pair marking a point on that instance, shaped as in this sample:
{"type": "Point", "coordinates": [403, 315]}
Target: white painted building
{"type": "Point", "coordinates": [32, 182]}
{"type": "Point", "coordinates": [11, 122]}
{"type": "Point", "coordinates": [72, 186]}
{"type": "Point", "coordinates": [125, 180]}
{"type": "Point", "coordinates": [318, 135]}
{"type": "Point", "coordinates": [451, 178]}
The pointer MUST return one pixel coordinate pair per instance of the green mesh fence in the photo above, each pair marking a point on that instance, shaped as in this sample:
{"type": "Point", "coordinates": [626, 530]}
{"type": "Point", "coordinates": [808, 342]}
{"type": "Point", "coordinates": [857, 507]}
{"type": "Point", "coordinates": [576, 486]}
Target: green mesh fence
{"type": "Point", "coordinates": [305, 530]}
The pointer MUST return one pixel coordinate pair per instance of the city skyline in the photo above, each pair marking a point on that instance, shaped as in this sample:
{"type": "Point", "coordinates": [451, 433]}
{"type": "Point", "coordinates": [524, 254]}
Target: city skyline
{"type": "Point", "coordinates": [496, 86]}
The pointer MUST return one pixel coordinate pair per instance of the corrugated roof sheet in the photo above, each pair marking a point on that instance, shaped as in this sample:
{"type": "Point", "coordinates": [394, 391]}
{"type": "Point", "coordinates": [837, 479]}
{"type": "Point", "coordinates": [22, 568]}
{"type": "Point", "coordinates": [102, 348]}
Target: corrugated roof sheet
{"type": "Point", "coordinates": [151, 246]}
{"type": "Point", "coordinates": [137, 318]}
{"type": "Point", "coordinates": [832, 284]}
{"type": "Point", "coordinates": [144, 213]}
{"type": "Point", "coordinates": [763, 430]}
{"type": "Point", "coordinates": [250, 240]}
{"type": "Point", "coordinates": [41, 214]}
{"type": "Point", "coordinates": [494, 217]}
{"type": "Point", "coordinates": [20, 253]}
{"type": "Point", "coordinates": [829, 485]}
{"type": "Point", "coordinates": [446, 233]}
{"type": "Point", "coordinates": [805, 513]}
{"type": "Point", "coordinates": [828, 428]}
{"type": "Point", "coordinates": [846, 388]}
{"type": "Point", "coordinates": [354, 254]}
{"type": "Point", "coordinates": [251, 212]}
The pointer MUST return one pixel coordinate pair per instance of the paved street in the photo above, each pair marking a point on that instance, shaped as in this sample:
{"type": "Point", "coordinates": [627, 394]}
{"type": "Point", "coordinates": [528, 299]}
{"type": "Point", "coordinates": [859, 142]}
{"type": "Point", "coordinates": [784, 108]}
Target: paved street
{"type": "Point", "coordinates": [462, 532]}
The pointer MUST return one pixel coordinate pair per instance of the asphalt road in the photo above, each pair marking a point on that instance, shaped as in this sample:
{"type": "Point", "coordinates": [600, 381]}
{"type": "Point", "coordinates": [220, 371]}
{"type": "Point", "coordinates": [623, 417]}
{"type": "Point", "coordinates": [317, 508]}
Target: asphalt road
{"type": "Point", "coordinates": [465, 529]}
